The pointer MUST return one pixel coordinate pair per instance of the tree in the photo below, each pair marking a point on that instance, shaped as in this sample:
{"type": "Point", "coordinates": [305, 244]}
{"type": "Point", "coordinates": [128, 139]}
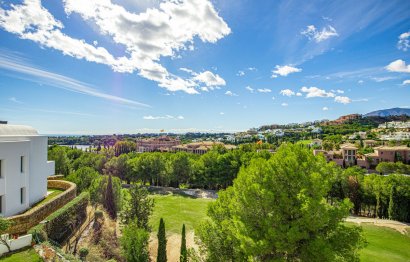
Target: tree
{"type": "Point", "coordinates": [62, 163]}
{"type": "Point", "coordinates": [277, 210]}
{"type": "Point", "coordinates": [98, 191]}
{"type": "Point", "coordinates": [184, 253]}
{"type": "Point", "coordinates": [83, 178]}
{"type": "Point", "coordinates": [138, 207]}
{"type": "Point", "coordinates": [109, 200]}
{"type": "Point", "coordinates": [4, 225]}
{"type": "Point", "coordinates": [124, 147]}
{"type": "Point", "coordinates": [134, 242]}
{"type": "Point", "coordinates": [162, 242]}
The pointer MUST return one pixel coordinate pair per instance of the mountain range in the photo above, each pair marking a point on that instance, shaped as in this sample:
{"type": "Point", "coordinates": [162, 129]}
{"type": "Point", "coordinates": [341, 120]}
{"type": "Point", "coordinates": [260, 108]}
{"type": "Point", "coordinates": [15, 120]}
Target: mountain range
{"type": "Point", "coordinates": [389, 112]}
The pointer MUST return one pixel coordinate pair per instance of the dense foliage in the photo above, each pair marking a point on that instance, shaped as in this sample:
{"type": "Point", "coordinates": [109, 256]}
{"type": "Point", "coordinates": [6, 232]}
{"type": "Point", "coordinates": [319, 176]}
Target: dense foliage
{"type": "Point", "coordinates": [134, 242]}
{"type": "Point", "coordinates": [138, 206]}
{"type": "Point", "coordinates": [277, 210]}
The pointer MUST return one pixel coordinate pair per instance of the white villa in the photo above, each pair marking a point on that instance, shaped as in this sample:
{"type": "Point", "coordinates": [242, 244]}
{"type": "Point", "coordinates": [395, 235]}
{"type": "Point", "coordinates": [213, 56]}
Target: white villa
{"type": "Point", "coordinates": [23, 168]}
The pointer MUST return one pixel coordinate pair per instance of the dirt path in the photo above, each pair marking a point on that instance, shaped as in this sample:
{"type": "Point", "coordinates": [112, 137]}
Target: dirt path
{"type": "Point", "coordinates": [399, 226]}
{"type": "Point", "coordinates": [173, 245]}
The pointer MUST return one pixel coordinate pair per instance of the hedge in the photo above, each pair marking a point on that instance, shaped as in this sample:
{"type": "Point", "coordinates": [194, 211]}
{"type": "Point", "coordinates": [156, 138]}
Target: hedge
{"type": "Point", "coordinates": [62, 222]}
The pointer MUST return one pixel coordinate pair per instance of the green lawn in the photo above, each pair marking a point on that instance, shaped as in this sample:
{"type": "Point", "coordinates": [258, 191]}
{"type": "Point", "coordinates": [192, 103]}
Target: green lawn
{"type": "Point", "coordinates": [54, 193]}
{"type": "Point", "coordinates": [22, 256]}
{"type": "Point", "coordinates": [385, 244]}
{"type": "Point", "coordinates": [177, 210]}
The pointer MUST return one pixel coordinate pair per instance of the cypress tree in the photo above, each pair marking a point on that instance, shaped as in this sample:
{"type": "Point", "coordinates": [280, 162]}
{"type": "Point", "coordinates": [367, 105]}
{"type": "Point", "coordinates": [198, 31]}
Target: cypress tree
{"type": "Point", "coordinates": [183, 256]}
{"type": "Point", "coordinates": [162, 242]}
{"type": "Point", "coordinates": [109, 200]}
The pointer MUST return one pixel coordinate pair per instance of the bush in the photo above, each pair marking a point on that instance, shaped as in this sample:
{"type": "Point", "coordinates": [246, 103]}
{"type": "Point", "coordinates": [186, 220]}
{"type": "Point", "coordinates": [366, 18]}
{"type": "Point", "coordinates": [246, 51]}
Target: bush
{"type": "Point", "coordinates": [62, 222]}
{"type": "Point", "coordinates": [83, 252]}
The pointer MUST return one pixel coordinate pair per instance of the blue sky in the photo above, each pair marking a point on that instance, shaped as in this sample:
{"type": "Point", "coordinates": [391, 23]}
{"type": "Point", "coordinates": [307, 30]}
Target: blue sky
{"type": "Point", "coordinates": [122, 66]}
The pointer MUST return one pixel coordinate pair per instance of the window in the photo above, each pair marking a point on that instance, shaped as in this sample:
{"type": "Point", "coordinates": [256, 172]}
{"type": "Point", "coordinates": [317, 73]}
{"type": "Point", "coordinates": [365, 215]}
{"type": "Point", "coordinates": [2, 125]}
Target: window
{"type": "Point", "coordinates": [1, 168]}
{"type": "Point", "coordinates": [22, 195]}
{"type": "Point", "coordinates": [22, 164]}
{"type": "Point", "coordinates": [1, 204]}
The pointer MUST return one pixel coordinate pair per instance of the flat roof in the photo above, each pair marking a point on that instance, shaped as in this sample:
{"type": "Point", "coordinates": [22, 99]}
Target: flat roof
{"type": "Point", "coordinates": [17, 130]}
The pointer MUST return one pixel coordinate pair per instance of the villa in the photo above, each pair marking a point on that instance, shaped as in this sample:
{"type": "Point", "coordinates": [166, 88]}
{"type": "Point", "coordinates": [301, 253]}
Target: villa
{"type": "Point", "coordinates": [23, 168]}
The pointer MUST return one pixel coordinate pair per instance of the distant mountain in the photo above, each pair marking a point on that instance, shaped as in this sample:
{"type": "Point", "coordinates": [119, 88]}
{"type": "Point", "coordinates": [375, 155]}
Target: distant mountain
{"type": "Point", "coordinates": [389, 112]}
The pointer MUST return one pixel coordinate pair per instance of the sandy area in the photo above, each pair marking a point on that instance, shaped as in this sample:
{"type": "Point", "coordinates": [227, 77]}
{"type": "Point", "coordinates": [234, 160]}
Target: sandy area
{"type": "Point", "coordinates": [399, 226]}
{"type": "Point", "coordinates": [173, 245]}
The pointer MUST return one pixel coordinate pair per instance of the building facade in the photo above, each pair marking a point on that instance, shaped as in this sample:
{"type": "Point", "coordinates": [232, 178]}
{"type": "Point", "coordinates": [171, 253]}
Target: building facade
{"type": "Point", "coordinates": [23, 168]}
{"type": "Point", "coordinates": [200, 148]}
{"type": "Point", "coordinates": [162, 143]}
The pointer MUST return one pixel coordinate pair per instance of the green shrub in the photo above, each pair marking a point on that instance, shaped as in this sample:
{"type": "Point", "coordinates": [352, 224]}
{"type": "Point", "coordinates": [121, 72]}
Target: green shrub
{"type": "Point", "coordinates": [83, 252]}
{"type": "Point", "coordinates": [62, 222]}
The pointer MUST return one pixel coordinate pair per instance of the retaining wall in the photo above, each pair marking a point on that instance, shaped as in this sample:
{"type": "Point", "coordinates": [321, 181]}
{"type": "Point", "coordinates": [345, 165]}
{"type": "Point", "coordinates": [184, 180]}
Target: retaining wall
{"type": "Point", "coordinates": [15, 244]}
{"type": "Point", "coordinates": [23, 222]}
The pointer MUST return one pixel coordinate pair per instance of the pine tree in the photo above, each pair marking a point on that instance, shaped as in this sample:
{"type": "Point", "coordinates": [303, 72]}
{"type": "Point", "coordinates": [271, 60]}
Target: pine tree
{"type": "Point", "coordinates": [162, 242]}
{"type": "Point", "coordinates": [109, 200]}
{"type": "Point", "coordinates": [183, 256]}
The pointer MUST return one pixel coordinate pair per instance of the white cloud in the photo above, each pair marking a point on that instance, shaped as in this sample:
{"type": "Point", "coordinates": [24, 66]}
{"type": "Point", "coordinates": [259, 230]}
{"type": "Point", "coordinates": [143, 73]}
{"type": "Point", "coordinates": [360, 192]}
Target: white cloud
{"type": "Point", "coordinates": [273, 98]}
{"type": "Point", "coordinates": [298, 94]}
{"type": "Point", "coordinates": [252, 68]}
{"type": "Point", "coordinates": [398, 66]}
{"type": "Point", "coordinates": [166, 117]}
{"type": "Point", "coordinates": [340, 91]}
{"type": "Point", "coordinates": [325, 108]}
{"type": "Point", "coordinates": [250, 89]}
{"type": "Point", "coordinates": [284, 70]}
{"type": "Point", "coordinates": [230, 93]}
{"type": "Point", "coordinates": [264, 90]}
{"type": "Point", "coordinates": [284, 104]}
{"type": "Point", "coordinates": [313, 33]}
{"type": "Point", "coordinates": [210, 79]}
{"type": "Point", "coordinates": [382, 79]}
{"type": "Point", "coordinates": [404, 42]}
{"type": "Point", "coordinates": [45, 77]}
{"type": "Point", "coordinates": [406, 82]}
{"type": "Point", "coordinates": [15, 100]}
{"type": "Point", "coordinates": [343, 99]}
{"type": "Point", "coordinates": [316, 92]}
{"type": "Point", "coordinates": [360, 82]}
{"type": "Point", "coordinates": [240, 73]}
{"type": "Point", "coordinates": [221, 113]}
{"type": "Point", "coordinates": [287, 92]}
{"type": "Point", "coordinates": [147, 37]}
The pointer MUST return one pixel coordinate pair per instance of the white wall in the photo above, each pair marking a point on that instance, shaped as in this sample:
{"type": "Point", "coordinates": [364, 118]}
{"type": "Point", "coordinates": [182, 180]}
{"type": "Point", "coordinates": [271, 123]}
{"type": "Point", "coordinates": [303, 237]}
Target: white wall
{"type": "Point", "coordinates": [16, 244]}
{"type": "Point", "coordinates": [34, 177]}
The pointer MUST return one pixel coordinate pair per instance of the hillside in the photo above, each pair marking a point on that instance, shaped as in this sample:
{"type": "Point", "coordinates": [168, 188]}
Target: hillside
{"type": "Point", "coordinates": [389, 112]}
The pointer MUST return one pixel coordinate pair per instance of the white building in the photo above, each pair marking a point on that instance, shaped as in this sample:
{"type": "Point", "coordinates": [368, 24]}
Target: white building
{"type": "Point", "coordinates": [396, 136]}
{"type": "Point", "coordinates": [23, 168]}
{"type": "Point", "coordinates": [395, 124]}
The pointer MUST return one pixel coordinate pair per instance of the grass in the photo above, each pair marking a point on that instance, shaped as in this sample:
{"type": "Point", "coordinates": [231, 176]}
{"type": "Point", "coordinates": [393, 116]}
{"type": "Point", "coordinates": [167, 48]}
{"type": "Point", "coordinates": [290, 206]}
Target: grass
{"type": "Point", "coordinates": [54, 193]}
{"type": "Point", "coordinates": [177, 210]}
{"type": "Point", "coordinates": [385, 244]}
{"type": "Point", "coordinates": [25, 255]}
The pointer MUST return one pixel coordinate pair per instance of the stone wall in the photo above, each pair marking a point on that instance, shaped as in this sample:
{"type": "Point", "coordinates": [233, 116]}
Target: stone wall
{"type": "Point", "coordinates": [23, 222]}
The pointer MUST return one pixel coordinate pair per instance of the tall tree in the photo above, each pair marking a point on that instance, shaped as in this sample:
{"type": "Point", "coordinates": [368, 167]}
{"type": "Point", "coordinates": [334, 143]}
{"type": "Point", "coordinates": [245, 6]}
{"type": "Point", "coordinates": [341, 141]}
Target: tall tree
{"type": "Point", "coordinates": [162, 242]}
{"type": "Point", "coordinates": [267, 216]}
{"type": "Point", "coordinates": [138, 206]}
{"type": "Point", "coordinates": [134, 242]}
{"type": "Point", "coordinates": [184, 253]}
{"type": "Point", "coordinates": [109, 201]}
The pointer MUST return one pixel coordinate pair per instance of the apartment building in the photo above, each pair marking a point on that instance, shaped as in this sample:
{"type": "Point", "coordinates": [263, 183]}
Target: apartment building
{"type": "Point", "coordinates": [162, 143]}
{"type": "Point", "coordinates": [23, 168]}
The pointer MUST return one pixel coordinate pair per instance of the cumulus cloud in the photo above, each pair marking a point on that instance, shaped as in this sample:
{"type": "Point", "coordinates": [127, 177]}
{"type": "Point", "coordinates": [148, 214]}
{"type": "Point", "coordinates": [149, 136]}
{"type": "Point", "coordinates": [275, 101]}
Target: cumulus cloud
{"type": "Point", "coordinates": [298, 94]}
{"type": "Point", "coordinates": [343, 100]}
{"type": "Point", "coordinates": [360, 82]}
{"type": "Point", "coordinates": [325, 108]}
{"type": "Point", "coordinates": [284, 70]}
{"type": "Point", "coordinates": [406, 82]}
{"type": "Point", "coordinates": [312, 33]}
{"type": "Point", "coordinates": [398, 66]}
{"type": "Point", "coordinates": [316, 92]}
{"type": "Point", "coordinates": [273, 98]}
{"type": "Point", "coordinates": [287, 92]}
{"type": "Point", "coordinates": [264, 90]}
{"type": "Point", "coordinates": [166, 117]}
{"type": "Point", "coordinates": [404, 42]}
{"type": "Point", "coordinates": [147, 37]}
{"type": "Point", "coordinates": [209, 79]}
{"type": "Point", "coordinates": [230, 93]}
{"type": "Point", "coordinates": [284, 104]}
{"type": "Point", "coordinates": [250, 89]}
{"type": "Point", "coordinates": [221, 113]}
{"type": "Point", "coordinates": [340, 91]}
